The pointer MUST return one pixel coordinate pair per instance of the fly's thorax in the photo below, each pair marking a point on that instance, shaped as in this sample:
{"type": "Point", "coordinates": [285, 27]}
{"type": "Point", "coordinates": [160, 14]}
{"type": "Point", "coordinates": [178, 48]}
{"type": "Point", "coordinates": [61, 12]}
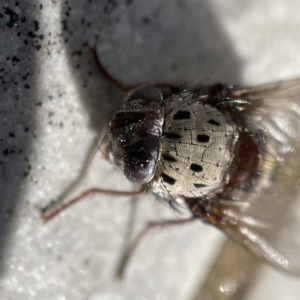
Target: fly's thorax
{"type": "Point", "coordinates": [197, 150]}
{"type": "Point", "coordinates": [135, 135]}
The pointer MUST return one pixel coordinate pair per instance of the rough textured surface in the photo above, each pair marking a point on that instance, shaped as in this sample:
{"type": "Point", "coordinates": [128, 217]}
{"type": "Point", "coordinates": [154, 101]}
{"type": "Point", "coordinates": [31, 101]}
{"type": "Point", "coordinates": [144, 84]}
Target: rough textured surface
{"type": "Point", "coordinates": [54, 103]}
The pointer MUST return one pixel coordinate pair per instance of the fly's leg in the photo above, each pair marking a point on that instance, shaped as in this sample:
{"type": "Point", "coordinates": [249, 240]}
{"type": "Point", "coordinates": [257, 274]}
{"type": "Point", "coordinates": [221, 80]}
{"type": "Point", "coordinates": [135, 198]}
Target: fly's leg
{"type": "Point", "coordinates": [131, 220]}
{"type": "Point", "coordinates": [119, 84]}
{"type": "Point", "coordinates": [61, 199]}
{"type": "Point", "coordinates": [62, 202]}
{"type": "Point", "coordinates": [133, 245]}
{"type": "Point", "coordinates": [55, 208]}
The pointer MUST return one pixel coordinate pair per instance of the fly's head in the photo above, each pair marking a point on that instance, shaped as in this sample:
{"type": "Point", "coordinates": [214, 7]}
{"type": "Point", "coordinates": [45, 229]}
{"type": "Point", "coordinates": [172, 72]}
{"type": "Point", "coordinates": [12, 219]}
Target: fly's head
{"type": "Point", "coordinates": [135, 136]}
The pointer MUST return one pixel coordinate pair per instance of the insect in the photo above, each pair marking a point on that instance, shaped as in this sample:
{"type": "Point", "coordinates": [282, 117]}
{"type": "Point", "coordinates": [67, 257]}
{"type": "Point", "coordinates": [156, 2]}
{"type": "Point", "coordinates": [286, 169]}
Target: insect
{"type": "Point", "coordinates": [230, 155]}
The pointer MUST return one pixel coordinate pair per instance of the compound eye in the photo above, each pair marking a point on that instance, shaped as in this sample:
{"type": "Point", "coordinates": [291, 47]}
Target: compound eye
{"type": "Point", "coordinates": [140, 160]}
{"type": "Point", "coordinates": [139, 167]}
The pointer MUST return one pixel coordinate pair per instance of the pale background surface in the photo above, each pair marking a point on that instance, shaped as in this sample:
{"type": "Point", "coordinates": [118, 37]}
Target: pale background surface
{"type": "Point", "coordinates": [53, 104]}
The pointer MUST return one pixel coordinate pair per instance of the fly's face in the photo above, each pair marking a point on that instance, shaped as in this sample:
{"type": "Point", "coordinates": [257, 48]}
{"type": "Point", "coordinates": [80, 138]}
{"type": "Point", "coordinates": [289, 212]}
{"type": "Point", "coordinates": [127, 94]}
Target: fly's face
{"type": "Point", "coordinates": [135, 135]}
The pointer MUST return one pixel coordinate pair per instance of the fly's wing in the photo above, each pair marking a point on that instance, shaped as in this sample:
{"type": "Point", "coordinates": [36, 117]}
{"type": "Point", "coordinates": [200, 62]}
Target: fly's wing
{"type": "Point", "coordinates": [266, 216]}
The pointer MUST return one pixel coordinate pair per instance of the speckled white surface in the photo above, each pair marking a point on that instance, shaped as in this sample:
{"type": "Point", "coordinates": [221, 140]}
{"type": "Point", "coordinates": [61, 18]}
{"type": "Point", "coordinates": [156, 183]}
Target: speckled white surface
{"type": "Point", "coordinates": [54, 103]}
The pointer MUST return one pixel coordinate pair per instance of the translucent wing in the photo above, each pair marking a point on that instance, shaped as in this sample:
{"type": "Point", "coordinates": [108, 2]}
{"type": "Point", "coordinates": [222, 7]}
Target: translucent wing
{"type": "Point", "coordinates": [265, 217]}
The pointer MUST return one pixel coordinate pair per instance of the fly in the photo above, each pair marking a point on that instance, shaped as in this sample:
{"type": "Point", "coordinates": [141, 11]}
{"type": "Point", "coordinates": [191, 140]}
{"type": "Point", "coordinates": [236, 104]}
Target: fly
{"type": "Point", "coordinates": [231, 155]}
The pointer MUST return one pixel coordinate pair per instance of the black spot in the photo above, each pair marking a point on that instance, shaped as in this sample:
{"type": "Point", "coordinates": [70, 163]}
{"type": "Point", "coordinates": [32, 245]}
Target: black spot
{"type": "Point", "coordinates": [203, 138]}
{"type": "Point", "coordinates": [196, 168]}
{"type": "Point", "coordinates": [146, 20]}
{"type": "Point", "coordinates": [25, 76]}
{"type": "Point", "coordinates": [13, 17]}
{"type": "Point", "coordinates": [65, 25]}
{"type": "Point", "coordinates": [181, 115]}
{"type": "Point", "coordinates": [167, 179]}
{"type": "Point", "coordinates": [36, 25]}
{"type": "Point", "coordinates": [78, 53]}
{"type": "Point", "coordinates": [213, 122]}
{"type": "Point", "coordinates": [169, 157]}
{"type": "Point", "coordinates": [199, 185]}
{"type": "Point", "coordinates": [171, 135]}
{"type": "Point", "coordinates": [15, 59]}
